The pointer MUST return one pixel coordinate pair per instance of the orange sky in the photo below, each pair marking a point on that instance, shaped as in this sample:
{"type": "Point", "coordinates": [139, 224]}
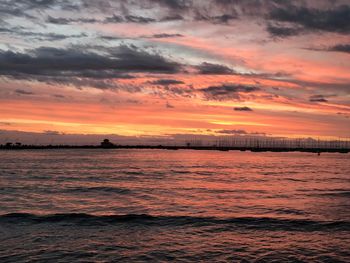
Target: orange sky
{"type": "Point", "coordinates": [155, 68]}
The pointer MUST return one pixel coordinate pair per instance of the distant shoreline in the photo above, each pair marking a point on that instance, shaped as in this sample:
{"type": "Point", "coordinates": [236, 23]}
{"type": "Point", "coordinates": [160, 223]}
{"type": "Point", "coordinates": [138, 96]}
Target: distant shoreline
{"type": "Point", "coordinates": [162, 147]}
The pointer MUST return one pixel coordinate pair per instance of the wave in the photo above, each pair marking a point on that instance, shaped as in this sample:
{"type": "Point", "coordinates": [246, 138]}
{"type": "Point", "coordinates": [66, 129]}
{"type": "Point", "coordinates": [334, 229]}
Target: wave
{"type": "Point", "coordinates": [98, 189]}
{"type": "Point", "coordinates": [106, 189]}
{"type": "Point", "coordinates": [336, 194]}
{"type": "Point", "coordinates": [259, 223]}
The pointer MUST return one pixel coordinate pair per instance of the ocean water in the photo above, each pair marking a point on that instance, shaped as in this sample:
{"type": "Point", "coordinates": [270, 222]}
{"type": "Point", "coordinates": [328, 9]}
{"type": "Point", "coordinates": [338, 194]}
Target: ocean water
{"type": "Point", "coordinates": [173, 206]}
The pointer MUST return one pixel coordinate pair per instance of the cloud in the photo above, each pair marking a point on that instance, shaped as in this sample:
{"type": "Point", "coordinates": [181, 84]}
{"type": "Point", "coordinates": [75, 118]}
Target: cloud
{"type": "Point", "coordinates": [318, 98]}
{"type": "Point", "coordinates": [340, 87]}
{"type": "Point", "coordinates": [59, 96]}
{"type": "Point", "coordinates": [282, 31]}
{"type": "Point", "coordinates": [66, 21]}
{"type": "Point", "coordinates": [128, 19]}
{"type": "Point", "coordinates": [341, 48]}
{"type": "Point", "coordinates": [20, 31]}
{"type": "Point", "coordinates": [312, 19]}
{"type": "Point", "coordinates": [166, 82]}
{"type": "Point", "coordinates": [168, 105]}
{"type": "Point", "coordinates": [213, 69]}
{"type": "Point", "coordinates": [23, 92]}
{"type": "Point", "coordinates": [175, 91]}
{"type": "Point", "coordinates": [164, 35]}
{"type": "Point", "coordinates": [226, 91]}
{"type": "Point", "coordinates": [174, 4]}
{"type": "Point", "coordinates": [242, 109]}
{"type": "Point", "coordinates": [139, 19]}
{"type": "Point", "coordinates": [344, 48]}
{"type": "Point", "coordinates": [220, 19]}
{"type": "Point", "coordinates": [48, 132]}
{"type": "Point", "coordinates": [346, 115]}
{"type": "Point", "coordinates": [113, 19]}
{"type": "Point", "coordinates": [118, 62]}
{"type": "Point", "coordinates": [20, 8]}
{"type": "Point", "coordinates": [79, 82]}
{"type": "Point", "coordinates": [174, 17]}
{"type": "Point", "coordinates": [5, 123]}
{"type": "Point", "coordinates": [233, 132]}
{"type": "Point", "coordinates": [240, 132]}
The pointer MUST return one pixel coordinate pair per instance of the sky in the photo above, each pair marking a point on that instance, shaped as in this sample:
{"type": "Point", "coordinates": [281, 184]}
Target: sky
{"type": "Point", "coordinates": [169, 68]}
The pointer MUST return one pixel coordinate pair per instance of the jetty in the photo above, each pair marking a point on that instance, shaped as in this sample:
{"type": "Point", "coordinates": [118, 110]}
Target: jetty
{"type": "Point", "coordinates": [252, 145]}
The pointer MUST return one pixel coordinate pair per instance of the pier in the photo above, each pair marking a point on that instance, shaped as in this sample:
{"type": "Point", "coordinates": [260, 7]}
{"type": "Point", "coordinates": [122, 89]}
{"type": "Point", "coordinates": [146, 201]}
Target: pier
{"type": "Point", "coordinates": [227, 144]}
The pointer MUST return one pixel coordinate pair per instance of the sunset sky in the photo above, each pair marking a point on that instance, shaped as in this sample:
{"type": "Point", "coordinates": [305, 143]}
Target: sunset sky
{"type": "Point", "coordinates": [174, 67]}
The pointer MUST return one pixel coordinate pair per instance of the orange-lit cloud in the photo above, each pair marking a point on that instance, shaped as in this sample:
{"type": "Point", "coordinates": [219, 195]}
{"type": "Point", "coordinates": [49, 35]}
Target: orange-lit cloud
{"type": "Point", "coordinates": [171, 70]}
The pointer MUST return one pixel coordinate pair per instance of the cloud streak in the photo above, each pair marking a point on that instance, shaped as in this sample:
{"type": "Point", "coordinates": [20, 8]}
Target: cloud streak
{"type": "Point", "coordinates": [245, 108]}
{"type": "Point", "coordinates": [227, 91]}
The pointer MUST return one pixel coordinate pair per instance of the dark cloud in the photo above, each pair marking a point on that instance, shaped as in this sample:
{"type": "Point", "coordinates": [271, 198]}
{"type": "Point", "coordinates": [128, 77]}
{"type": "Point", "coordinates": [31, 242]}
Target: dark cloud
{"type": "Point", "coordinates": [318, 98]}
{"type": "Point", "coordinates": [282, 31]}
{"type": "Point", "coordinates": [23, 92]}
{"type": "Point", "coordinates": [175, 17]}
{"type": "Point", "coordinates": [331, 20]}
{"type": "Point", "coordinates": [233, 132]}
{"type": "Point", "coordinates": [212, 11]}
{"type": "Point", "coordinates": [164, 35]}
{"type": "Point", "coordinates": [79, 82]}
{"type": "Point", "coordinates": [111, 38]}
{"type": "Point", "coordinates": [48, 132]}
{"type": "Point", "coordinates": [176, 91]}
{"type": "Point", "coordinates": [58, 96]}
{"type": "Point", "coordinates": [82, 67]}
{"type": "Point", "coordinates": [296, 13]}
{"type": "Point", "coordinates": [242, 109]}
{"type": "Point", "coordinates": [169, 10]}
{"type": "Point", "coordinates": [109, 19]}
{"type": "Point", "coordinates": [131, 101]}
{"type": "Point", "coordinates": [166, 82]}
{"type": "Point", "coordinates": [213, 69]}
{"type": "Point", "coordinates": [341, 48]}
{"type": "Point", "coordinates": [48, 36]}
{"type": "Point", "coordinates": [220, 19]}
{"type": "Point", "coordinates": [345, 115]}
{"type": "Point", "coordinates": [139, 19]}
{"type": "Point", "coordinates": [37, 36]}
{"type": "Point", "coordinates": [168, 105]}
{"type": "Point", "coordinates": [114, 19]}
{"type": "Point", "coordinates": [174, 4]}
{"type": "Point", "coordinates": [20, 8]}
{"type": "Point", "coordinates": [78, 62]}
{"type": "Point", "coordinates": [223, 19]}
{"type": "Point", "coordinates": [132, 59]}
{"type": "Point", "coordinates": [10, 29]}
{"type": "Point", "coordinates": [340, 87]}
{"type": "Point", "coordinates": [240, 132]}
{"type": "Point", "coordinates": [129, 19]}
{"type": "Point", "coordinates": [226, 91]}
{"type": "Point", "coordinates": [66, 21]}
{"type": "Point", "coordinates": [59, 20]}
{"type": "Point", "coordinates": [46, 4]}
{"type": "Point", "coordinates": [344, 48]}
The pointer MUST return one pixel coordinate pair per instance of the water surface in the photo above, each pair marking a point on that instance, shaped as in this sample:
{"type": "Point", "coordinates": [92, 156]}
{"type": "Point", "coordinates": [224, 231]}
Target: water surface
{"type": "Point", "coordinates": [157, 205]}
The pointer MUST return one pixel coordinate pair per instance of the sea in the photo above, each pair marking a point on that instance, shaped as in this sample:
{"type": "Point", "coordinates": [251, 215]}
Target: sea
{"type": "Point", "coordinates": [130, 205]}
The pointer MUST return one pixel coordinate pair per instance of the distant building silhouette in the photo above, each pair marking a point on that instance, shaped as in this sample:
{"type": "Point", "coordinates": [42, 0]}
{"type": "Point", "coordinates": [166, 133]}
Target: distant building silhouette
{"type": "Point", "coordinates": [106, 144]}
